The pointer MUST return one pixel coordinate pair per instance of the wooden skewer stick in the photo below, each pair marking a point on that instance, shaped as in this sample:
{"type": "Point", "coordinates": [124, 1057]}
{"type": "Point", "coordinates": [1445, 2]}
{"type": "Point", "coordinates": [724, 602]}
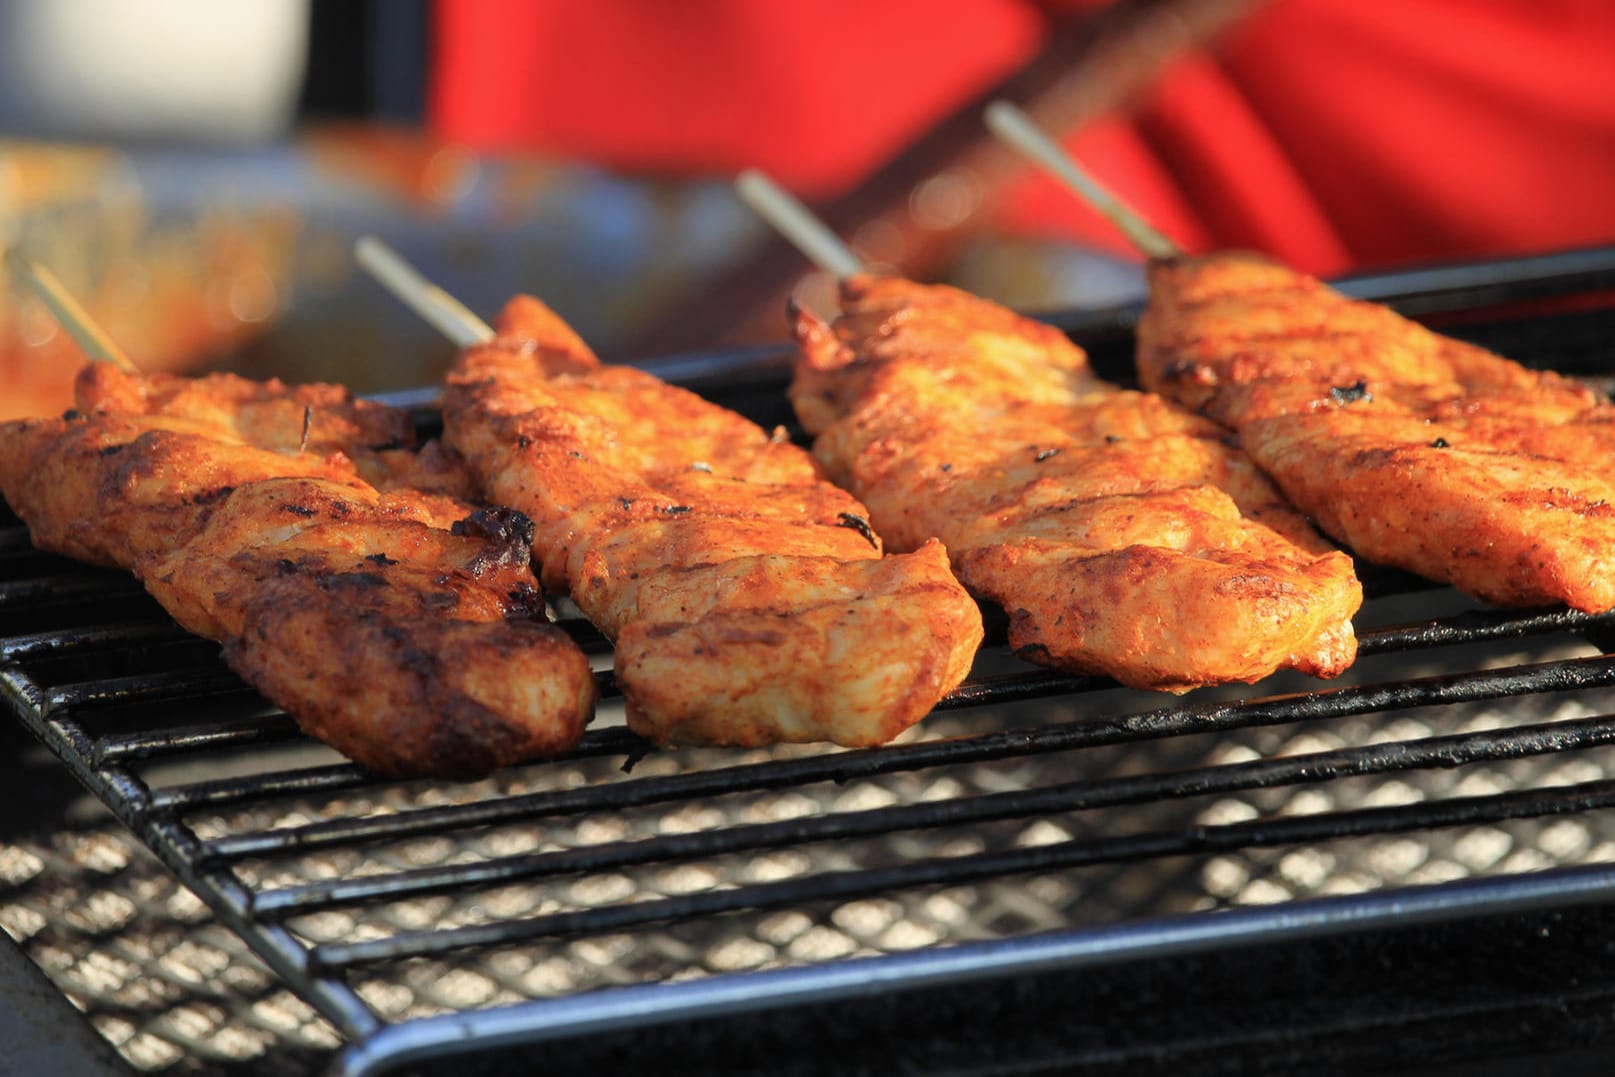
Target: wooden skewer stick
{"type": "Point", "coordinates": [444, 312]}
{"type": "Point", "coordinates": [1017, 129]}
{"type": "Point", "coordinates": [69, 313]}
{"type": "Point", "coordinates": [797, 223]}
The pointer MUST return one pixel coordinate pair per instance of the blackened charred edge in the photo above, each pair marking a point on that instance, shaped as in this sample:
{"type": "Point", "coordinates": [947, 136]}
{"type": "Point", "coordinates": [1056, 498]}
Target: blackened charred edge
{"type": "Point", "coordinates": [498, 524]}
{"type": "Point", "coordinates": [858, 524]}
{"type": "Point", "coordinates": [444, 600]}
{"type": "Point", "coordinates": [110, 450]}
{"type": "Point", "coordinates": [298, 510]}
{"type": "Point", "coordinates": [73, 415]}
{"type": "Point", "coordinates": [1179, 369]}
{"type": "Point", "coordinates": [1440, 443]}
{"type": "Point", "coordinates": [1036, 653]}
{"type": "Point", "coordinates": [1351, 394]}
{"type": "Point", "coordinates": [946, 468]}
{"type": "Point", "coordinates": [674, 510]}
{"type": "Point", "coordinates": [1044, 454]}
{"type": "Point", "coordinates": [509, 534]}
{"type": "Point", "coordinates": [634, 754]}
{"type": "Point", "coordinates": [1112, 439]}
{"type": "Point", "coordinates": [380, 559]}
{"type": "Point", "coordinates": [360, 581]}
{"type": "Point", "coordinates": [410, 657]}
{"type": "Point", "coordinates": [208, 497]}
{"type": "Point", "coordinates": [525, 602]}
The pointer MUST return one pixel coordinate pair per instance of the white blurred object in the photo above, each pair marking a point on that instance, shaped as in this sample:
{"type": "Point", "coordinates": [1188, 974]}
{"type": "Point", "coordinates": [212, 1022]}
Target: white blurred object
{"type": "Point", "coordinates": [172, 70]}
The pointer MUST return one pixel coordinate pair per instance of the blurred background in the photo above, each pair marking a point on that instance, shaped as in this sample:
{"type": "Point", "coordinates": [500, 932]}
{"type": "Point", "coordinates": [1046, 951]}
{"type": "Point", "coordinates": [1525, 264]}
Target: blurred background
{"type": "Point", "coordinates": [196, 172]}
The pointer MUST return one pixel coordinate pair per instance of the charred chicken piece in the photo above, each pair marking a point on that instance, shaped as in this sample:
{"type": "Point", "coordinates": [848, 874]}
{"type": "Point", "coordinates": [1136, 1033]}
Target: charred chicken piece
{"type": "Point", "coordinates": [747, 598]}
{"type": "Point", "coordinates": [1122, 534]}
{"type": "Point", "coordinates": [1411, 448]}
{"type": "Point", "coordinates": [400, 628]}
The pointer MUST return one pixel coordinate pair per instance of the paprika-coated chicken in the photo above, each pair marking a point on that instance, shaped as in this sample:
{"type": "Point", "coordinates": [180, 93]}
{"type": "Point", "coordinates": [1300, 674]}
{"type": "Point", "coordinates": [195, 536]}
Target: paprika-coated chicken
{"type": "Point", "coordinates": [1411, 448]}
{"type": "Point", "coordinates": [1122, 534]}
{"type": "Point", "coordinates": [400, 627]}
{"type": "Point", "coordinates": [748, 599]}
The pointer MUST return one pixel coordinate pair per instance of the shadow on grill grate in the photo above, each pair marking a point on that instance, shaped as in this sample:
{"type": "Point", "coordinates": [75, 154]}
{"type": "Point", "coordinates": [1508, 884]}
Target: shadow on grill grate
{"type": "Point", "coordinates": [1036, 821]}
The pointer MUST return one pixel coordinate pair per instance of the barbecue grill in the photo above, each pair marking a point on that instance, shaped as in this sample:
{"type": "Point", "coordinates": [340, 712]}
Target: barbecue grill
{"type": "Point", "coordinates": [1408, 867]}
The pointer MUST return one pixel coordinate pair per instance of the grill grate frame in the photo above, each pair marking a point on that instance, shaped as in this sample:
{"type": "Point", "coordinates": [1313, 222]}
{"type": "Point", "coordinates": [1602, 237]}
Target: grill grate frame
{"type": "Point", "coordinates": [122, 697]}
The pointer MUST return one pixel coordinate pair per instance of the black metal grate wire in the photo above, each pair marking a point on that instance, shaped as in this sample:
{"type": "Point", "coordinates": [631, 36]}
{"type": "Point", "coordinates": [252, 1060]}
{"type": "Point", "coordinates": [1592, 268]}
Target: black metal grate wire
{"type": "Point", "coordinates": [1035, 820]}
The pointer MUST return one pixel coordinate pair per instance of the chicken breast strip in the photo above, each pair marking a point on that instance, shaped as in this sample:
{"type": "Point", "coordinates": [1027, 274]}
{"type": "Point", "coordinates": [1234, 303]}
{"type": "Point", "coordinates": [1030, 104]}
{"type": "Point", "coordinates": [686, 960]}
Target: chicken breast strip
{"type": "Point", "coordinates": [1123, 535]}
{"type": "Point", "coordinates": [1412, 448]}
{"type": "Point", "coordinates": [747, 598]}
{"type": "Point", "coordinates": [403, 628]}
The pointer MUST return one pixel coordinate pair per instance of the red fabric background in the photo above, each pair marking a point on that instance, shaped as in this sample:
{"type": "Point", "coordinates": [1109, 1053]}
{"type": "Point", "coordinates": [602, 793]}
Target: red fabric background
{"type": "Point", "coordinates": [1333, 133]}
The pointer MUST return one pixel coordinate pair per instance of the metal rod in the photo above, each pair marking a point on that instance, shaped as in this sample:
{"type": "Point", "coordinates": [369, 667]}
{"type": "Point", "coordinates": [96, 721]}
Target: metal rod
{"type": "Point", "coordinates": [733, 995]}
{"type": "Point", "coordinates": [1086, 795]}
{"type": "Point", "coordinates": [67, 311]}
{"type": "Point", "coordinates": [848, 885]}
{"type": "Point", "coordinates": [1176, 720]}
{"type": "Point", "coordinates": [797, 223]}
{"type": "Point", "coordinates": [445, 313]}
{"type": "Point", "coordinates": [1017, 129]}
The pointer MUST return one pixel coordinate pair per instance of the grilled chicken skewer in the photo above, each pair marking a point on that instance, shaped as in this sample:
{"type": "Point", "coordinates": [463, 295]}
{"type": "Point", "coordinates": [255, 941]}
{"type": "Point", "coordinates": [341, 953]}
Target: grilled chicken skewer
{"type": "Point", "coordinates": [1411, 448]}
{"type": "Point", "coordinates": [1121, 533]}
{"type": "Point", "coordinates": [397, 626]}
{"type": "Point", "coordinates": [747, 598]}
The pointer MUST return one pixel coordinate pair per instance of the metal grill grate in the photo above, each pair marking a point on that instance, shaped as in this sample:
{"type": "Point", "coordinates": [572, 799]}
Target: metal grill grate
{"type": "Point", "coordinates": [1036, 821]}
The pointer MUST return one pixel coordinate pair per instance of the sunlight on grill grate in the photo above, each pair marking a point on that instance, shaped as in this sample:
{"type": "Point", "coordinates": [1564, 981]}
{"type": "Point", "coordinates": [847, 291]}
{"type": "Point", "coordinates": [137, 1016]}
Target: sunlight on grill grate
{"type": "Point", "coordinates": [169, 987]}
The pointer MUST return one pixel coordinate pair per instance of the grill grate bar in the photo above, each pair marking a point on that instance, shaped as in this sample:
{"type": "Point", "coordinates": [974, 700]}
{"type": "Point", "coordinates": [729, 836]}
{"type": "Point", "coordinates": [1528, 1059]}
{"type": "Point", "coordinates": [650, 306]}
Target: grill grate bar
{"type": "Point", "coordinates": [954, 871]}
{"type": "Point", "coordinates": [175, 844]}
{"type": "Point", "coordinates": [1445, 751]}
{"type": "Point", "coordinates": [345, 776]}
{"type": "Point", "coordinates": [1018, 688]}
{"type": "Point", "coordinates": [55, 588]}
{"type": "Point", "coordinates": [1476, 626]}
{"type": "Point", "coordinates": [264, 728]}
{"type": "Point", "coordinates": [321, 779]}
{"type": "Point", "coordinates": [1005, 688]}
{"type": "Point", "coordinates": [72, 641]}
{"type": "Point", "coordinates": [148, 687]}
{"type": "Point", "coordinates": [1178, 720]}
